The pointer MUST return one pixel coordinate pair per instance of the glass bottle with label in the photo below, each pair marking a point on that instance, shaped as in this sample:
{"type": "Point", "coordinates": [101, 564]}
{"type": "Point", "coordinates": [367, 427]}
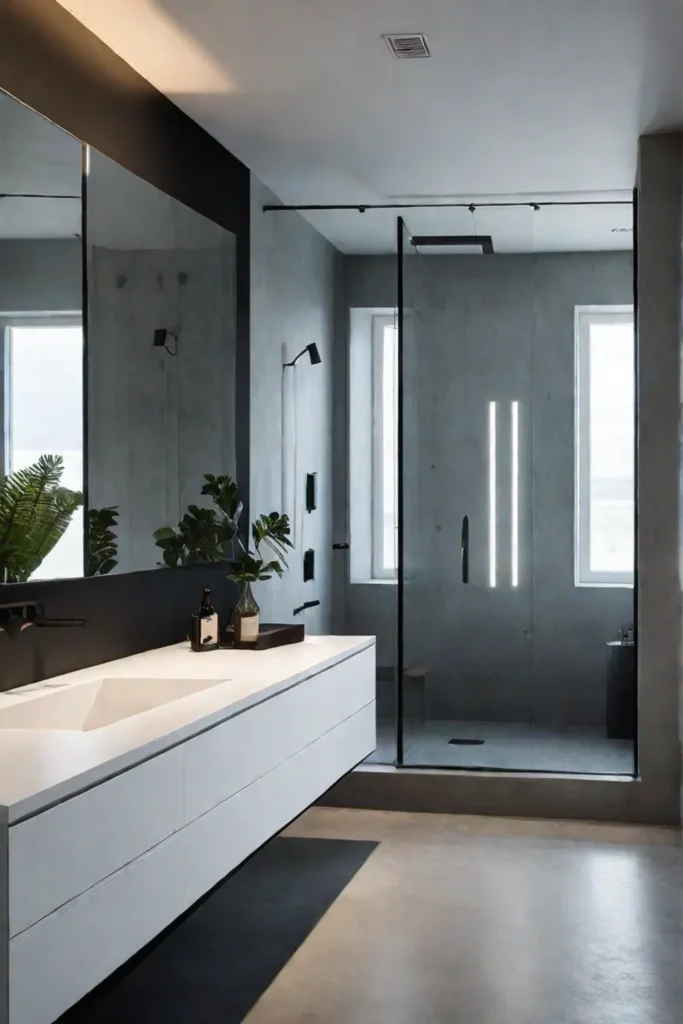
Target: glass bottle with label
{"type": "Point", "coordinates": [204, 626]}
{"type": "Point", "coordinates": [246, 618]}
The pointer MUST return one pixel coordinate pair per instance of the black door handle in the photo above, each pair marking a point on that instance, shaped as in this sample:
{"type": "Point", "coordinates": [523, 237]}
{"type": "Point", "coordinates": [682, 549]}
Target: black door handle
{"type": "Point", "coordinates": [465, 549]}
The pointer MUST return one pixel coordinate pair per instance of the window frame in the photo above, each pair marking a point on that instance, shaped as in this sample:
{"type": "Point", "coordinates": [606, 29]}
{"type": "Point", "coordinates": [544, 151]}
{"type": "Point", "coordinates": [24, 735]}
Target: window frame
{"type": "Point", "coordinates": [584, 317]}
{"type": "Point", "coordinates": [380, 572]}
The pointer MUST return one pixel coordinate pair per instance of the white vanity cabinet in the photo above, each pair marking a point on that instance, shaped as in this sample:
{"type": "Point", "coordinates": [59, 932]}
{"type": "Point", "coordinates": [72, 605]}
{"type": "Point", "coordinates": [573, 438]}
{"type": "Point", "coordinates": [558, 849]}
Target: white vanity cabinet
{"type": "Point", "coordinates": [63, 852]}
{"type": "Point", "coordinates": [93, 878]}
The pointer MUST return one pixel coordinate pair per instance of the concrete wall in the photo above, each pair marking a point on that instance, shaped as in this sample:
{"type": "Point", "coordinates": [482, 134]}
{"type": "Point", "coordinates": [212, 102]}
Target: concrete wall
{"type": "Point", "coordinates": [293, 273]}
{"type": "Point", "coordinates": [40, 274]}
{"type": "Point", "coordinates": [495, 328]}
{"type": "Point", "coordinates": [660, 229]}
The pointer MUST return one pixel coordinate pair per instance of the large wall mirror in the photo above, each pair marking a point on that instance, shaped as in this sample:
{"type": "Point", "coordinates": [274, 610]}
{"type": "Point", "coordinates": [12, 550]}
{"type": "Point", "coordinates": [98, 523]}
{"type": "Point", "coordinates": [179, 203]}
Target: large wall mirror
{"type": "Point", "coordinates": [111, 418]}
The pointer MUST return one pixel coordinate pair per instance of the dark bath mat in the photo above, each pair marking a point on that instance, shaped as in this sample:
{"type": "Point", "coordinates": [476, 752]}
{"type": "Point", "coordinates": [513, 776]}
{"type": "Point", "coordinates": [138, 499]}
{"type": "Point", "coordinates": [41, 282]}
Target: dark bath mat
{"type": "Point", "coordinates": [214, 965]}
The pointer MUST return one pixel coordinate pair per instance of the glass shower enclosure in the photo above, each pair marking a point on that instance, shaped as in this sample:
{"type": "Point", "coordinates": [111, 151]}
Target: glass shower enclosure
{"type": "Point", "coordinates": [515, 484]}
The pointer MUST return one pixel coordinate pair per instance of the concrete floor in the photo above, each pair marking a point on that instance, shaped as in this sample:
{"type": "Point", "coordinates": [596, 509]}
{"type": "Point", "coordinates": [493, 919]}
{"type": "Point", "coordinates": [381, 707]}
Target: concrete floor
{"type": "Point", "coordinates": [456, 920]}
{"type": "Point", "coordinates": [507, 745]}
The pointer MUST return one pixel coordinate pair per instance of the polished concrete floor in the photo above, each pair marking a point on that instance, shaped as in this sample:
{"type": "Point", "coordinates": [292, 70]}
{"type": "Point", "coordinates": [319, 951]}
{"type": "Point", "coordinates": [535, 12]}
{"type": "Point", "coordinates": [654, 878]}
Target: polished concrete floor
{"type": "Point", "coordinates": [507, 745]}
{"type": "Point", "coordinates": [456, 920]}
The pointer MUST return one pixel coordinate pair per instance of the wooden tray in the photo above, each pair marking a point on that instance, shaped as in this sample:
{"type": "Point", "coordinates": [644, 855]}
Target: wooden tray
{"type": "Point", "coordinates": [271, 634]}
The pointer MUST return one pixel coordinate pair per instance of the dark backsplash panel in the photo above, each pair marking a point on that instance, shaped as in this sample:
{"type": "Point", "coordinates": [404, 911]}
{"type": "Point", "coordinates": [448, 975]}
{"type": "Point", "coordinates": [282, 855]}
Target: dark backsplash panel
{"type": "Point", "coordinates": [49, 61]}
{"type": "Point", "coordinates": [124, 615]}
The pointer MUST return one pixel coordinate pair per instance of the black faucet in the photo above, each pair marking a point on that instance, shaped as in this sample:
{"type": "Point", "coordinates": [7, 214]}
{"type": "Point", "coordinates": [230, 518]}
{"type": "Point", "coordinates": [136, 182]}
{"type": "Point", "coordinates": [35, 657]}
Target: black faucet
{"type": "Point", "coordinates": [14, 618]}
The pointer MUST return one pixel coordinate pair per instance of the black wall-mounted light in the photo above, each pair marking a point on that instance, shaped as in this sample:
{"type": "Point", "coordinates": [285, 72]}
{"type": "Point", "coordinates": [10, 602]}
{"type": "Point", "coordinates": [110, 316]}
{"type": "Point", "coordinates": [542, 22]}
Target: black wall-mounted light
{"type": "Point", "coordinates": [313, 353]}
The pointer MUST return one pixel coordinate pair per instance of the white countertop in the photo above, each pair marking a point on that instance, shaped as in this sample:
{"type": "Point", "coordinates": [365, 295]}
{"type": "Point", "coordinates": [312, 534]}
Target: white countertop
{"type": "Point", "coordinates": [41, 767]}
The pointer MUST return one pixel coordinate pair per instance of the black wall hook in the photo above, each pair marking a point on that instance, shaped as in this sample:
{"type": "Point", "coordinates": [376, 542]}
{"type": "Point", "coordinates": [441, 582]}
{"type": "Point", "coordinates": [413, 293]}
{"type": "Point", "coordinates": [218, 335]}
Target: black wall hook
{"type": "Point", "coordinates": [161, 336]}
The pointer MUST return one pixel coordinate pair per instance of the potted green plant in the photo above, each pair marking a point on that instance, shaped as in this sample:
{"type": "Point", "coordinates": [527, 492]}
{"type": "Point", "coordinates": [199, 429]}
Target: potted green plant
{"type": "Point", "coordinates": [204, 534]}
{"type": "Point", "coordinates": [271, 532]}
{"type": "Point", "coordinates": [35, 511]}
{"type": "Point", "coordinates": [103, 547]}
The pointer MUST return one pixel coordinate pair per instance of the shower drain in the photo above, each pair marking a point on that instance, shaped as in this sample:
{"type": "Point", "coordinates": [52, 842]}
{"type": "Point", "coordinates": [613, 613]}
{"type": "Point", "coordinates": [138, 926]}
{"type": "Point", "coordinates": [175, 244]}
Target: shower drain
{"type": "Point", "coordinates": [458, 742]}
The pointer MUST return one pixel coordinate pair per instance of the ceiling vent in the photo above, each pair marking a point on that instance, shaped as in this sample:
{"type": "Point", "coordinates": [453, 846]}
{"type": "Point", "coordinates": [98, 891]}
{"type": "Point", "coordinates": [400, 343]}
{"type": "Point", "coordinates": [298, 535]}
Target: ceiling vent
{"type": "Point", "coordinates": [408, 46]}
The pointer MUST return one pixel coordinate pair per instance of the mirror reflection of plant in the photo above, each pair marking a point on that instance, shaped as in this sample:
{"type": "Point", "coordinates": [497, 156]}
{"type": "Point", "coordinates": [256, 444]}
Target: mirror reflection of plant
{"type": "Point", "coordinates": [273, 531]}
{"type": "Point", "coordinates": [103, 547]}
{"type": "Point", "coordinates": [35, 511]}
{"type": "Point", "coordinates": [223, 490]}
{"type": "Point", "coordinates": [204, 534]}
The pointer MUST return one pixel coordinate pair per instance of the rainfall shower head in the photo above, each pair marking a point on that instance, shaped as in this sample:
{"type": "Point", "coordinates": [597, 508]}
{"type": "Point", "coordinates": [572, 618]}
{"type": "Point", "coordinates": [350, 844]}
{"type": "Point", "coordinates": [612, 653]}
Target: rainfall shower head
{"type": "Point", "coordinates": [483, 242]}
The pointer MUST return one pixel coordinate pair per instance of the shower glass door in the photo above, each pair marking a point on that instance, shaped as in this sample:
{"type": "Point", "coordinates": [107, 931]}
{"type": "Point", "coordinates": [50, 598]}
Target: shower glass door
{"type": "Point", "coordinates": [504, 656]}
{"type": "Point", "coordinates": [465, 591]}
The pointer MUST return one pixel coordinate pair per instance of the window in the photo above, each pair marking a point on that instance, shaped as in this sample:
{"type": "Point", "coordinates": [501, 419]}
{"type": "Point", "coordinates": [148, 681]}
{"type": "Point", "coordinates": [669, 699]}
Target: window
{"type": "Point", "coordinates": [605, 446]}
{"type": "Point", "coordinates": [43, 412]}
{"type": "Point", "coordinates": [384, 447]}
{"type": "Point", "coordinates": [373, 445]}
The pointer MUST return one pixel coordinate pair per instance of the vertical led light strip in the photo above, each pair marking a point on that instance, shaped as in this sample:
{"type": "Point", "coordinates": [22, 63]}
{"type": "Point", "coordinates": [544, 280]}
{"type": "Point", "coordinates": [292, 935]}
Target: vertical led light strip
{"type": "Point", "coordinates": [514, 493]}
{"type": "Point", "coordinates": [492, 494]}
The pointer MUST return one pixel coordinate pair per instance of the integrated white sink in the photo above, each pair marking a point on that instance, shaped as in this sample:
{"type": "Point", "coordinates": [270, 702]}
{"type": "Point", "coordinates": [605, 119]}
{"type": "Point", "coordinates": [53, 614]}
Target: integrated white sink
{"type": "Point", "coordinates": [93, 705]}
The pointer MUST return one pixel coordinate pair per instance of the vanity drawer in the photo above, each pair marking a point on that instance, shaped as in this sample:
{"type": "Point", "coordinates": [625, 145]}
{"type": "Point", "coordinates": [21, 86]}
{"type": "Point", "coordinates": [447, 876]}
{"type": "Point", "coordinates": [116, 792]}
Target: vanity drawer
{"type": "Point", "coordinates": [57, 961]}
{"type": "Point", "coordinates": [62, 852]}
{"type": "Point", "coordinates": [224, 760]}
{"type": "Point", "coordinates": [219, 841]}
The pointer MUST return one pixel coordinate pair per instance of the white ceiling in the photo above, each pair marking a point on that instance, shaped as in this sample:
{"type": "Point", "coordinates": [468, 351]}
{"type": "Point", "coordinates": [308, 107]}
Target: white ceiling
{"type": "Point", "coordinates": [532, 98]}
